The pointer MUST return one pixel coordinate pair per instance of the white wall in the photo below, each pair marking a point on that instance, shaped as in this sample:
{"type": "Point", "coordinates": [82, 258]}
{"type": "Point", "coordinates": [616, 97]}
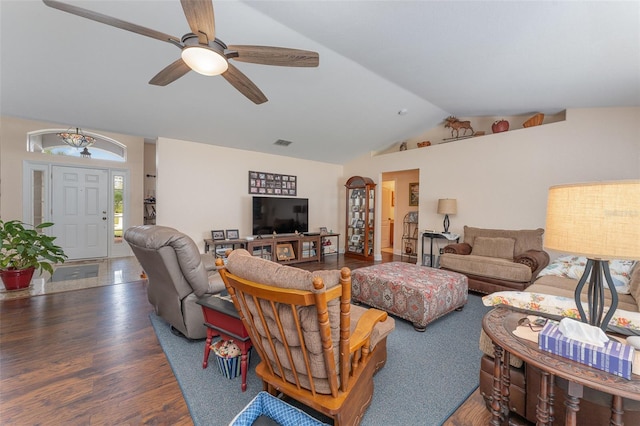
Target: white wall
{"type": "Point", "coordinates": [149, 169]}
{"type": "Point", "coordinates": [202, 187]}
{"type": "Point", "coordinates": [501, 180]}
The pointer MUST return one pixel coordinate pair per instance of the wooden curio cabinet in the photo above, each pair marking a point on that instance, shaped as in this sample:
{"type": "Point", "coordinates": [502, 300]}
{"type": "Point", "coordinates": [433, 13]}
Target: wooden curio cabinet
{"type": "Point", "coordinates": [360, 207]}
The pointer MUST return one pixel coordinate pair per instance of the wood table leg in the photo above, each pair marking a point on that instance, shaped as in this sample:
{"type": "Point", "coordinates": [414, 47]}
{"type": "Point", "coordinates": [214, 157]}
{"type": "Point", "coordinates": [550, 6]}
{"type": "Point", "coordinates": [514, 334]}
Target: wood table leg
{"type": "Point", "coordinates": [207, 347]}
{"type": "Point", "coordinates": [496, 397]}
{"type": "Point", "coordinates": [616, 411]}
{"type": "Point", "coordinates": [574, 393]}
{"type": "Point", "coordinates": [506, 384]}
{"type": "Point", "coordinates": [542, 408]}
{"type": "Point", "coordinates": [243, 368]}
{"type": "Point", "coordinates": [552, 398]}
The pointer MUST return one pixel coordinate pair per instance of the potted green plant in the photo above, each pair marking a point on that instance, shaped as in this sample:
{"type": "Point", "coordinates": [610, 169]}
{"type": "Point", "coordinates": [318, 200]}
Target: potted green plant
{"type": "Point", "coordinates": [25, 249]}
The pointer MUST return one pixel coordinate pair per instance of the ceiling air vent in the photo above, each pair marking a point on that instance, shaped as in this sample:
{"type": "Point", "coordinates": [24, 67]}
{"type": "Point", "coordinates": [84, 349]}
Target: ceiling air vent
{"type": "Point", "coordinates": [282, 142]}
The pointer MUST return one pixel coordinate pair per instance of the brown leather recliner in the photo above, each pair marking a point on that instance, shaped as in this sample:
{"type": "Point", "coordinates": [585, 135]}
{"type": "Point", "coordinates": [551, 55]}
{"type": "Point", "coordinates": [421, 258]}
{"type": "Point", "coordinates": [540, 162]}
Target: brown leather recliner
{"type": "Point", "coordinates": [178, 275]}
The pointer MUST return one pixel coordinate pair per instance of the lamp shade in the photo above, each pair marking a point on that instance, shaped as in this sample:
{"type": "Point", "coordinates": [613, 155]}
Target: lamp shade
{"type": "Point", "coordinates": [447, 206]}
{"type": "Point", "coordinates": [597, 220]}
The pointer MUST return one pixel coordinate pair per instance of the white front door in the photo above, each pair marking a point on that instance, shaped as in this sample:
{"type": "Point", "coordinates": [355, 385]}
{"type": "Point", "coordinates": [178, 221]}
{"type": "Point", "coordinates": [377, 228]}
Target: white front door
{"type": "Point", "coordinates": [80, 212]}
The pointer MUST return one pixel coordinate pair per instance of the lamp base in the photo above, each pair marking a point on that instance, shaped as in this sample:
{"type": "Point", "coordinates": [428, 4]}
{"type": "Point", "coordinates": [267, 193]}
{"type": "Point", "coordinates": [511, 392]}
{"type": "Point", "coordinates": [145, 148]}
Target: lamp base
{"type": "Point", "coordinates": [595, 294]}
{"type": "Point", "coordinates": [446, 224]}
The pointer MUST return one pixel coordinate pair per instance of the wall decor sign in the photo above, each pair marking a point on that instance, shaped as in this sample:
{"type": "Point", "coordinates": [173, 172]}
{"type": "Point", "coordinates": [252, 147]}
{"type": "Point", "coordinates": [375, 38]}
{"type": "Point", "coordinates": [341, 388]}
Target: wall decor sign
{"type": "Point", "coordinates": [272, 184]}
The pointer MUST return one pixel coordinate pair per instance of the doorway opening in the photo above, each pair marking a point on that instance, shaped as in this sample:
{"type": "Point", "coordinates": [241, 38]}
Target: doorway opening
{"type": "Point", "coordinates": [399, 197]}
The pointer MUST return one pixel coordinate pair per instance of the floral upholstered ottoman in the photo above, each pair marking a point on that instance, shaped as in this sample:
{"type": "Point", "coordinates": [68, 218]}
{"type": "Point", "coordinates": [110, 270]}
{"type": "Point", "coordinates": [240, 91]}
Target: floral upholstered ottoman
{"type": "Point", "coordinates": [416, 293]}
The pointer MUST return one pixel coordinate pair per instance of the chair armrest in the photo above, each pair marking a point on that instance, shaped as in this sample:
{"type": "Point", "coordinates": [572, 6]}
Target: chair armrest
{"type": "Point", "coordinates": [209, 262]}
{"type": "Point", "coordinates": [534, 259]}
{"type": "Point", "coordinates": [458, 248]}
{"type": "Point", "coordinates": [364, 327]}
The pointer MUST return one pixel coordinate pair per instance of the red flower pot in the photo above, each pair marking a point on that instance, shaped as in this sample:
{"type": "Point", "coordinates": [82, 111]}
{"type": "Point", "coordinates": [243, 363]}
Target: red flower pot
{"type": "Point", "coordinates": [500, 126]}
{"type": "Point", "coordinates": [17, 279]}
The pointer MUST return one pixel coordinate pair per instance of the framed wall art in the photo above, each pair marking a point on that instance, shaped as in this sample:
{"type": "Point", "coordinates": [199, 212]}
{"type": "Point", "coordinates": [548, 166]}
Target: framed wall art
{"type": "Point", "coordinates": [414, 193]}
{"type": "Point", "coordinates": [272, 184]}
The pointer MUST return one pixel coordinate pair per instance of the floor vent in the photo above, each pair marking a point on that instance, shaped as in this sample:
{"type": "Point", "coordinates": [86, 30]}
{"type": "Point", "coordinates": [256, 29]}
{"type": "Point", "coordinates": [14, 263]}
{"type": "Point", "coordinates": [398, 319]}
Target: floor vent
{"type": "Point", "coordinates": [282, 142]}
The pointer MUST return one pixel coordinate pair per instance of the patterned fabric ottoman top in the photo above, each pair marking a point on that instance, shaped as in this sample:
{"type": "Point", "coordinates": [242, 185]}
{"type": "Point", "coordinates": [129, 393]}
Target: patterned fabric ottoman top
{"type": "Point", "coordinates": [416, 293]}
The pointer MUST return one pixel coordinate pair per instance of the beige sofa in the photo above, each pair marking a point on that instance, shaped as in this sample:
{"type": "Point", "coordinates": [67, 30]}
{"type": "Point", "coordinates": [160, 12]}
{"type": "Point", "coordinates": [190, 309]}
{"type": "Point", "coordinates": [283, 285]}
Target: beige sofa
{"type": "Point", "coordinates": [525, 379]}
{"type": "Point", "coordinates": [497, 259]}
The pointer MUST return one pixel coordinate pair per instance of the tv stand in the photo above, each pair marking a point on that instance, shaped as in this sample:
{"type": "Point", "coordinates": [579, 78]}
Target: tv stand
{"type": "Point", "coordinates": [303, 248]}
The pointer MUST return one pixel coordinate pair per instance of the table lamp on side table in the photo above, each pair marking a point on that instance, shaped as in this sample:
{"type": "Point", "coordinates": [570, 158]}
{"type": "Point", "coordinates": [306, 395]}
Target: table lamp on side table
{"type": "Point", "coordinates": [602, 222]}
{"type": "Point", "coordinates": [447, 206]}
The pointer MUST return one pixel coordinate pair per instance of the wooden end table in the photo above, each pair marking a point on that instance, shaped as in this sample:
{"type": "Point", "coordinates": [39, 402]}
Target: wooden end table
{"type": "Point", "coordinates": [499, 324]}
{"type": "Point", "coordinates": [222, 319]}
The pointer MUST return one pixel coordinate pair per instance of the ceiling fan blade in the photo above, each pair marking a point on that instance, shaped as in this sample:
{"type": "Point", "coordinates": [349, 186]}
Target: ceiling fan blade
{"type": "Point", "coordinates": [114, 22]}
{"type": "Point", "coordinates": [280, 56]}
{"type": "Point", "coordinates": [241, 82]}
{"type": "Point", "coordinates": [170, 73]}
{"type": "Point", "coordinates": [201, 20]}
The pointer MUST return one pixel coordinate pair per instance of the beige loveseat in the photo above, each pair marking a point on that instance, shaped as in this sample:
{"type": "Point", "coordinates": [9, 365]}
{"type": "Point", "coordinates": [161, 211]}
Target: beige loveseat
{"type": "Point", "coordinates": [497, 259]}
{"type": "Point", "coordinates": [525, 379]}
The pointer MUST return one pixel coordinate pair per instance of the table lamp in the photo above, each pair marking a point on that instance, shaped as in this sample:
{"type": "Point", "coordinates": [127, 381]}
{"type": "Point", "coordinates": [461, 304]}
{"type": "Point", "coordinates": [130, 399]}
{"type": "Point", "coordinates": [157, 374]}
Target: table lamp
{"type": "Point", "coordinates": [602, 222]}
{"type": "Point", "coordinates": [447, 206]}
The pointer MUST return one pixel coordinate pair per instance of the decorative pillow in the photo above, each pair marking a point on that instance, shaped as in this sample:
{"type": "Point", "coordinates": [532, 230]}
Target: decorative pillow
{"type": "Point", "coordinates": [494, 247]}
{"type": "Point", "coordinates": [625, 322]}
{"type": "Point", "coordinates": [573, 267]}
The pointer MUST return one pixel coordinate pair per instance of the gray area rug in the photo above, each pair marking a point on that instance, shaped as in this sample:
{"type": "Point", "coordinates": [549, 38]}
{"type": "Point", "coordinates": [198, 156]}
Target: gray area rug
{"type": "Point", "coordinates": [427, 376]}
{"type": "Point", "coordinates": [67, 273]}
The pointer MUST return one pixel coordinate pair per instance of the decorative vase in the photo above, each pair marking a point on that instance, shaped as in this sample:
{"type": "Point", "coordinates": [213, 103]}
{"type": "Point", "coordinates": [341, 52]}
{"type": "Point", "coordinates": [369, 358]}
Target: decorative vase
{"type": "Point", "coordinates": [17, 279]}
{"type": "Point", "coordinates": [500, 126]}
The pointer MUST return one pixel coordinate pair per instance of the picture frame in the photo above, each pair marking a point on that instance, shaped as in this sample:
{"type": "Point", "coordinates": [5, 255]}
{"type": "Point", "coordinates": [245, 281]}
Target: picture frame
{"type": "Point", "coordinates": [323, 230]}
{"type": "Point", "coordinates": [272, 183]}
{"type": "Point", "coordinates": [285, 252]}
{"type": "Point", "coordinates": [217, 235]}
{"type": "Point", "coordinates": [414, 193]}
{"type": "Point", "coordinates": [232, 234]}
{"type": "Point", "coordinates": [355, 238]}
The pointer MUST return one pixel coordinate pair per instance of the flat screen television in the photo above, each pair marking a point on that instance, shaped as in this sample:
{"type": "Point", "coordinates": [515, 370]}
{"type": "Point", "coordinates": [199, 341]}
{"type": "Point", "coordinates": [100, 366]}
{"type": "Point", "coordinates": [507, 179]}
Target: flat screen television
{"type": "Point", "coordinates": [280, 214]}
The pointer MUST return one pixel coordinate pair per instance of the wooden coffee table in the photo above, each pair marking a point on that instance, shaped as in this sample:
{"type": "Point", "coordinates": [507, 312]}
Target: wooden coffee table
{"type": "Point", "coordinates": [222, 319]}
{"type": "Point", "coordinates": [499, 325]}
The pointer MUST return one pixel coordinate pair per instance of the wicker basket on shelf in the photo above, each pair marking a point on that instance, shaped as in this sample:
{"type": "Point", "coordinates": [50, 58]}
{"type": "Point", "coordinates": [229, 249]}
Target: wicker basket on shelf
{"type": "Point", "coordinates": [536, 120]}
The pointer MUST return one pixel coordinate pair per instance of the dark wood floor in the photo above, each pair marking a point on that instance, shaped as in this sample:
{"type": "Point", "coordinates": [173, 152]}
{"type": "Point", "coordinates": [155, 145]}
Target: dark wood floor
{"type": "Point", "coordinates": [91, 357]}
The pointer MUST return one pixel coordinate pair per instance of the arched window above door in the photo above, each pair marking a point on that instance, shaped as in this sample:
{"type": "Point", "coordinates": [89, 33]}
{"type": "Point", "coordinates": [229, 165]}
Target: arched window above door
{"type": "Point", "coordinates": [47, 141]}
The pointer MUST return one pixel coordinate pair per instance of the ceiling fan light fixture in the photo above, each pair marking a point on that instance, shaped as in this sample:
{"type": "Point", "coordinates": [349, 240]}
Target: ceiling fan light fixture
{"type": "Point", "coordinates": [204, 61]}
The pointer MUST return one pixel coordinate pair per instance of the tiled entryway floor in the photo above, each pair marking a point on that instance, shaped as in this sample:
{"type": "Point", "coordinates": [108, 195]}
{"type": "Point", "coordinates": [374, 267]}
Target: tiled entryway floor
{"type": "Point", "coordinates": [110, 271]}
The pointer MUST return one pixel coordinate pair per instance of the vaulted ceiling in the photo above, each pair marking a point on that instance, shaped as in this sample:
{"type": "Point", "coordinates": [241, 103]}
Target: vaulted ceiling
{"type": "Point", "coordinates": [432, 58]}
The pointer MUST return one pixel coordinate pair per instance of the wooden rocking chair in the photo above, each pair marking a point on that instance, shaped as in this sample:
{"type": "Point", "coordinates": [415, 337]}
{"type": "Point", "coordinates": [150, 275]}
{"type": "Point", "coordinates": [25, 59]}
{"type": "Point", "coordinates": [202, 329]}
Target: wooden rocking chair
{"type": "Point", "coordinates": [301, 325]}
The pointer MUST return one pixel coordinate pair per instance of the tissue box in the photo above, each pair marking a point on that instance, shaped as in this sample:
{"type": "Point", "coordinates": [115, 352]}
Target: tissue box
{"type": "Point", "coordinates": [614, 357]}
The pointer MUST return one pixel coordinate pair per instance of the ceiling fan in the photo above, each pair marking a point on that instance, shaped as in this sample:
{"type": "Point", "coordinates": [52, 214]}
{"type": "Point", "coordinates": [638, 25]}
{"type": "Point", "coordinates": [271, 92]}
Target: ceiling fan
{"type": "Point", "coordinates": [202, 51]}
